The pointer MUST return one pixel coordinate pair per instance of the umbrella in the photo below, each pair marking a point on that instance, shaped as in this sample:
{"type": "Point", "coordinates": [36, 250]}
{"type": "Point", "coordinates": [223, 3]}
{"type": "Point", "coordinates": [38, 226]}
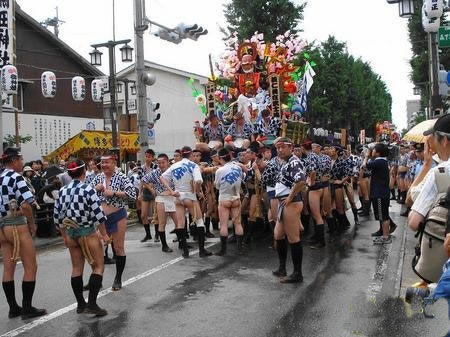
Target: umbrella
{"type": "Point", "coordinates": [52, 171]}
{"type": "Point", "coordinates": [416, 133]}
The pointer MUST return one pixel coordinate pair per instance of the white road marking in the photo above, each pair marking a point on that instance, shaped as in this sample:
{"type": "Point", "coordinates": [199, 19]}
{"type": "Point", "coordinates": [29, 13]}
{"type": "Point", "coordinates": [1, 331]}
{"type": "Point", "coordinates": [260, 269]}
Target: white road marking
{"type": "Point", "coordinates": [60, 312]}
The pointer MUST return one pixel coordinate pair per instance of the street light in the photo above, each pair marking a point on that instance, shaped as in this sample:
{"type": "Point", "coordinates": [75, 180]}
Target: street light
{"type": "Point", "coordinates": [96, 57]}
{"type": "Point", "coordinates": [406, 8]}
{"type": "Point", "coordinates": [127, 53]}
{"type": "Point", "coordinates": [96, 60]}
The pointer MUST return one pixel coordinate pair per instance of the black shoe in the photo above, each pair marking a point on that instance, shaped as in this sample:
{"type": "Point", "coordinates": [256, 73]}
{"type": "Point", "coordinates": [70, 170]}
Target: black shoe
{"type": "Point", "coordinates": [81, 308]}
{"type": "Point", "coordinates": [204, 253]}
{"type": "Point", "coordinates": [185, 253]}
{"type": "Point", "coordinates": [293, 278]}
{"type": "Point", "coordinates": [15, 312]}
{"type": "Point", "coordinates": [109, 260]}
{"type": "Point", "coordinates": [392, 228]}
{"type": "Point", "coordinates": [33, 312]}
{"type": "Point", "coordinates": [280, 272]}
{"type": "Point", "coordinates": [146, 238]}
{"type": "Point", "coordinates": [377, 233]}
{"type": "Point", "coordinates": [209, 235]}
{"type": "Point", "coordinates": [117, 285]}
{"type": "Point", "coordinates": [167, 250]}
{"type": "Point", "coordinates": [95, 310]}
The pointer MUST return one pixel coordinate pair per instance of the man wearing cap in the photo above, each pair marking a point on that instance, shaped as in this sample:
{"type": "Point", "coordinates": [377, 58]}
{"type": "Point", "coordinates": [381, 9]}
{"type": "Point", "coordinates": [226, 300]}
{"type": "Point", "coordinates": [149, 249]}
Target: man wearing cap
{"type": "Point", "coordinates": [415, 170]}
{"type": "Point", "coordinates": [16, 230]}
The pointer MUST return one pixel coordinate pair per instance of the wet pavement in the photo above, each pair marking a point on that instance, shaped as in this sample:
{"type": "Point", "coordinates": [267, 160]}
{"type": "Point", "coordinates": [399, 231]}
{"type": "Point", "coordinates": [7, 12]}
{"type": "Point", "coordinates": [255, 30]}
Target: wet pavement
{"type": "Point", "coordinates": [350, 289]}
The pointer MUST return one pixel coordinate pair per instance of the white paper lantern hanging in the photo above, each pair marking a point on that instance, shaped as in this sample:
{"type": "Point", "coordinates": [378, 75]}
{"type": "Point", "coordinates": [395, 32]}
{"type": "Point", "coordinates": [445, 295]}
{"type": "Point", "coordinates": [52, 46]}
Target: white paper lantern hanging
{"type": "Point", "coordinates": [431, 25]}
{"type": "Point", "coordinates": [97, 90]}
{"type": "Point", "coordinates": [434, 8]}
{"type": "Point", "coordinates": [315, 133]}
{"type": "Point", "coordinates": [9, 79]}
{"type": "Point", "coordinates": [78, 88]}
{"type": "Point", "coordinates": [48, 84]}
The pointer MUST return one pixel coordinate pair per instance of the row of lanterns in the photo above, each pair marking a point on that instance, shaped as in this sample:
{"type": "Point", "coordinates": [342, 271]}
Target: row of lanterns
{"type": "Point", "coordinates": [10, 80]}
{"type": "Point", "coordinates": [432, 11]}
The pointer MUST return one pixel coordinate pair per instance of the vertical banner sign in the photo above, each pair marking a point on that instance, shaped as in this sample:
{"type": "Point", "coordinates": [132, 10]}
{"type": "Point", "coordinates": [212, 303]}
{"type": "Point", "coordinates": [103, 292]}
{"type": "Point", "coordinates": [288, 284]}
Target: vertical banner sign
{"type": "Point", "coordinates": [362, 137]}
{"type": "Point", "coordinates": [274, 88]}
{"type": "Point", "coordinates": [48, 84]}
{"type": "Point", "coordinates": [6, 32]}
{"type": "Point", "coordinates": [210, 90]}
{"type": "Point", "coordinates": [344, 137]}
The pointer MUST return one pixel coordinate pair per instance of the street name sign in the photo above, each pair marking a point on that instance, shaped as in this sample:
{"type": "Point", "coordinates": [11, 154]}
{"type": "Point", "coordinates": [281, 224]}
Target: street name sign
{"type": "Point", "coordinates": [444, 37]}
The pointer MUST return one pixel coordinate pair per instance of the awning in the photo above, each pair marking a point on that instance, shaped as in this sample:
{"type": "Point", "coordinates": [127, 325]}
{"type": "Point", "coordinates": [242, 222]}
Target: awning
{"type": "Point", "coordinates": [129, 142]}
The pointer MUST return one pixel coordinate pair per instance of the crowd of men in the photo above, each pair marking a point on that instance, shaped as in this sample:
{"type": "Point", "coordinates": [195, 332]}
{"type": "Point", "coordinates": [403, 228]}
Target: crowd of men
{"type": "Point", "coordinates": [245, 184]}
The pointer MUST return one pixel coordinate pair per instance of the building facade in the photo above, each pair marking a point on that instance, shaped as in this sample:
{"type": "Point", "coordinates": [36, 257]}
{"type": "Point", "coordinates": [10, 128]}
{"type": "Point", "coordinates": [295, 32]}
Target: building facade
{"type": "Point", "coordinates": [178, 108]}
{"type": "Point", "coordinates": [49, 122]}
{"type": "Point", "coordinates": [412, 110]}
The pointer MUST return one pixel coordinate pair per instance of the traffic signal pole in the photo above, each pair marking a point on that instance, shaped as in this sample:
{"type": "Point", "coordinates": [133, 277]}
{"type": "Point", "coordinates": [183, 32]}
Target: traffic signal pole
{"type": "Point", "coordinates": [139, 28]}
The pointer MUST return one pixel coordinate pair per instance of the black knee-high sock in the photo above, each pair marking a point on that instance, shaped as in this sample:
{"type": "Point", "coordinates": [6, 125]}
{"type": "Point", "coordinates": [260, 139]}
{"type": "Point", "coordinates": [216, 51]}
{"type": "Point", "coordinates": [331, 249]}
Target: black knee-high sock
{"type": "Point", "coordinates": [120, 266]}
{"type": "Point", "coordinates": [95, 283]}
{"type": "Point", "coordinates": [297, 256]}
{"type": "Point", "coordinates": [10, 293]}
{"type": "Point", "coordinates": [355, 214]}
{"type": "Point", "coordinates": [399, 193]}
{"type": "Point", "coordinates": [77, 287]}
{"type": "Point", "coordinates": [27, 293]}
{"type": "Point", "coordinates": [282, 252]}
{"type": "Point", "coordinates": [181, 237]}
{"type": "Point", "coordinates": [156, 230]}
{"type": "Point", "coordinates": [162, 237]}
{"type": "Point", "coordinates": [305, 219]}
{"type": "Point", "coordinates": [207, 224]}
{"type": "Point", "coordinates": [147, 230]}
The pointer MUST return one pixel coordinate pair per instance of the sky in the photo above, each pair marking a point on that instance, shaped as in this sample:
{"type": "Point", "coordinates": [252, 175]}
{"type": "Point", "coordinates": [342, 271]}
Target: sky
{"type": "Point", "coordinates": [372, 30]}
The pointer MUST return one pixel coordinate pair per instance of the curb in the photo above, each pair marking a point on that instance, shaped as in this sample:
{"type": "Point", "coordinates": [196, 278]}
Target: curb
{"type": "Point", "coordinates": [399, 273]}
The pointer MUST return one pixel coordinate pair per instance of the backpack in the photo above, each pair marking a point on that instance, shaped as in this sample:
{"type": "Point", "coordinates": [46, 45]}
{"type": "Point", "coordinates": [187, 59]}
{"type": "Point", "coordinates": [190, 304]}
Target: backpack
{"type": "Point", "coordinates": [429, 253]}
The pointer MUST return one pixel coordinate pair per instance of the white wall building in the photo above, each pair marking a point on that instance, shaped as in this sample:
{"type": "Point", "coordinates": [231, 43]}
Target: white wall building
{"type": "Point", "coordinates": [412, 109]}
{"type": "Point", "coordinates": [178, 108]}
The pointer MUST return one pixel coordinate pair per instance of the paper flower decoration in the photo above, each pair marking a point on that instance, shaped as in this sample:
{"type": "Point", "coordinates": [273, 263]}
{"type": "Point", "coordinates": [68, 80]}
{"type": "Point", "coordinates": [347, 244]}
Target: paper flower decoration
{"type": "Point", "coordinates": [200, 99]}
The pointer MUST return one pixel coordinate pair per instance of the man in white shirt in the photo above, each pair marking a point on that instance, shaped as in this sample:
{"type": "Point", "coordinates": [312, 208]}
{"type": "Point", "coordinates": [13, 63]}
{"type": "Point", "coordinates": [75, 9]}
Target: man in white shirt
{"type": "Point", "coordinates": [187, 178]}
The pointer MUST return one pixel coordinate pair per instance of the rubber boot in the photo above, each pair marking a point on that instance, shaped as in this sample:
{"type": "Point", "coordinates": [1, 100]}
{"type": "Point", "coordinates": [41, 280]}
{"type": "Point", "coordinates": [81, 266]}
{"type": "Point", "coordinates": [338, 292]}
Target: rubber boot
{"type": "Point", "coordinates": [281, 246]}
{"type": "Point", "coordinates": [320, 238]}
{"type": "Point", "coordinates": [355, 215]}
{"type": "Point", "coordinates": [182, 241]}
{"type": "Point", "coordinates": [223, 246]}
{"type": "Point", "coordinates": [156, 233]}
{"type": "Point", "coordinates": [165, 247]}
{"type": "Point", "coordinates": [331, 221]}
{"type": "Point", "coordinates": [297, 258]}
{"type": "Point", "coordinates": [10, 292]}
{"type": "Point", "coordinates": [201, 243]}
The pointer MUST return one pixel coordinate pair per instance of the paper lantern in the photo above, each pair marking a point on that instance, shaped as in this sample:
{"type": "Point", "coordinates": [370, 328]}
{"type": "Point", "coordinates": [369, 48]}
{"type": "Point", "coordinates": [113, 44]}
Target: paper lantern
{"type": "Point", "coordinates": [97, 90]}
{"type": "Point", "coordinates": [10, 79]}
{"type": "Point", "coordinates": [431, 25]}
{"type": "Point", "coordinates": [434, 8]}
{"type": "Point", "coordinates": [78, 88]}
{"type": "Point", "coordinates": [48, 84]}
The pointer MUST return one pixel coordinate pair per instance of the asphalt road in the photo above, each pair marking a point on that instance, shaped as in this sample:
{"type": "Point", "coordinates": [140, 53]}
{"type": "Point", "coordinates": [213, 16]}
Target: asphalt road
{"type": "Point", "coordinates": [350, 289]}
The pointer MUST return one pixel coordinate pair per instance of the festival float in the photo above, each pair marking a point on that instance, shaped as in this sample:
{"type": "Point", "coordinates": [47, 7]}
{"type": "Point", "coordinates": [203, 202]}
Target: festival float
{"type": "Point", "coordinates": [256, 75]}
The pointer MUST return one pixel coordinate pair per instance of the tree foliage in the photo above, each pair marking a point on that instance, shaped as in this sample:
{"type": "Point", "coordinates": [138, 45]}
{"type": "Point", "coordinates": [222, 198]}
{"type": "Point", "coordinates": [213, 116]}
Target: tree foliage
{"type": "Point", "coordinates": [271, 17]}
{"type": "Point", "coordinates": [419, 62]}
{"type": "Point", "coordinates": [346, 93]}
{"type": "Point", "coordinates": [11, 140]}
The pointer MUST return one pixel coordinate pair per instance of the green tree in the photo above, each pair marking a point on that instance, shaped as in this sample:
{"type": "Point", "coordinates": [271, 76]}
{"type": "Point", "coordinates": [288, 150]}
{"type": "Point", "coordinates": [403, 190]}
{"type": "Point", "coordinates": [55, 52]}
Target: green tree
{"type": "Point", "coordinates": [11, 140]}
{"type": "Point", "coordinates": [271, 17]}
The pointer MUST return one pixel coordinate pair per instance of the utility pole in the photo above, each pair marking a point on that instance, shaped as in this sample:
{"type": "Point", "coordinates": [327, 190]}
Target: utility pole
{"type": "Point", "coordinates": [433, 52]}
{"type": "Point", "coordinates": [139, 28]}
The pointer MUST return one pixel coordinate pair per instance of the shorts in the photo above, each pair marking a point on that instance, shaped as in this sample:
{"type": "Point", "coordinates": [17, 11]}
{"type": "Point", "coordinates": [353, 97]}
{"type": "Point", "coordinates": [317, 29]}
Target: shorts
{"type": "Point", "coordinates": [381, 208]}
{"type": "Point", "coordinates": [188, 196]}
{"type": "Point", "coordinates": [318, 185]}
{"type": "Point", "coordinates": [76, 233]}
{"type": "Point", "coordinates": [168, 201]}
{"type": "Point", "coordinates": [271, 194]}
{"type": "Point", "coordinates": [147, 195]}
{"type": "Point", "coordinates": [112, 220]}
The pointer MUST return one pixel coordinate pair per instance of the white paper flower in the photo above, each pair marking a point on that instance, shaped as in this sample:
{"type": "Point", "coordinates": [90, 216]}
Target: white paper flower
{"type": "Point", "coordinates": [200, 99]}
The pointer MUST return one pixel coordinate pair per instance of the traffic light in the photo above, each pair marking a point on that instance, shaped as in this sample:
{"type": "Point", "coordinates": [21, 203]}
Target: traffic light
{"type": "Point", "coordinates": [168, 36]}
{"type": "Point", "coordinates": [192, 32]}
{"type": "Point", "coordinates": [443, 83]}
{"type": "Point", "coordinates": [152, 107]}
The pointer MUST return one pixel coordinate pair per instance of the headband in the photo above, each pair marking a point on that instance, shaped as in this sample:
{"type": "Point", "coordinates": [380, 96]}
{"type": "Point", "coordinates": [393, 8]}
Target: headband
{"type": "Point", "coordinates": [284, 143]}
{"type": "Point", "coordinates": [108, 156]}
{"type": "Point", "coordinates": [73, 166]}
{"type": "Point", "coordinates": [185, 152]}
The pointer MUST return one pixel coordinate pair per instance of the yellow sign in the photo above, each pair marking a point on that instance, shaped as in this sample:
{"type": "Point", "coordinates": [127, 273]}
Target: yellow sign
{"type": "Point", "coordinates": [128, 142]}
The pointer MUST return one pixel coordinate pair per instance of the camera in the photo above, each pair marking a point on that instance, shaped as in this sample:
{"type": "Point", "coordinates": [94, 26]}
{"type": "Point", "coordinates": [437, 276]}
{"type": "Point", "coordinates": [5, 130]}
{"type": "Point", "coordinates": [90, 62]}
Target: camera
{"type": "Point", "coordinates": [416, 294]}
